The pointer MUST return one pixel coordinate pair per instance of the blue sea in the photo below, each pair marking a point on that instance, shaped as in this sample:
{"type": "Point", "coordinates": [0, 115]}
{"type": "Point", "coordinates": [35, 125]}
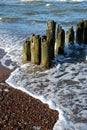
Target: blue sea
{"type": "Point", "coordinates": [65, 85]}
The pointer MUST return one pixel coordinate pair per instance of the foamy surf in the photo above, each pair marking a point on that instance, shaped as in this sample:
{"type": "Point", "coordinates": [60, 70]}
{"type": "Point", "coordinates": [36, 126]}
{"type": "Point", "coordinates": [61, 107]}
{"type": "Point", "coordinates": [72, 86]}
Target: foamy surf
{"type": "Point", "coordinates": [11, 44]}
{"type": "Point", "coordinates": [0, 19]}
{"type": "Point", "coordinates": [48, 4]}
{"type": "Point", "coordinates": [63, 119]}
{"type": "Point", "coordinates": [59, 87]}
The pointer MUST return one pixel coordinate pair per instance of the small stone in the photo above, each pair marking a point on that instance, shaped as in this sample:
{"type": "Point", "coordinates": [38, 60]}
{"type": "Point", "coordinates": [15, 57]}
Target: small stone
{"type": "Point", "coordinates": [6, 90]}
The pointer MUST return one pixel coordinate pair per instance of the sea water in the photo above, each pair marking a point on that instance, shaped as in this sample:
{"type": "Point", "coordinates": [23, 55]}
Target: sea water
{"type": "Point", "coordinates": [64, 86]}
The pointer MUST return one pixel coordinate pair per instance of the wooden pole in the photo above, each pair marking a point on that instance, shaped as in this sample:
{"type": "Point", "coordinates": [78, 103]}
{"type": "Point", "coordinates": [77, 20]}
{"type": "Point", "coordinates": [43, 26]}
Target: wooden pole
{"type": "Point", "coordinates": [45, 55]}
{"type": "Point", "coordinates": [79, 32]}
{"type": "Point", "coordinates": [26, 51]}
{"type": "Point", "coordinates": [35, 49]}
{"type": "Point", "coordinates": [85, 32]}
{"type": "Point", "coordinates": [70, 36]}
{"type": "Point", "coordinates": [50, 33]}
{"type": "Point", "coordinates": [60, 40]}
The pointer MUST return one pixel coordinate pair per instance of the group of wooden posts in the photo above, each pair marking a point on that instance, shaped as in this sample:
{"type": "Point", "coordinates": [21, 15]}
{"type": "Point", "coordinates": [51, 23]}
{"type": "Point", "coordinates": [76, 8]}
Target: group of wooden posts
{"type": "Point", "coordinates": [40, 50]}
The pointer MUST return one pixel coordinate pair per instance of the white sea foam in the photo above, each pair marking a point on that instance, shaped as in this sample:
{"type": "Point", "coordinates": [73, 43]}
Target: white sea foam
{"type": "Point", "coordinates": [0, 19]}
{"type": "Point", "coordinates": [13, 48]}
{"type": "Point", "coordinates": [48, 4]}
{"type": "Point", "coordinates": [62, 115]}
{"type": "Point", "coordinates": [62, 87]}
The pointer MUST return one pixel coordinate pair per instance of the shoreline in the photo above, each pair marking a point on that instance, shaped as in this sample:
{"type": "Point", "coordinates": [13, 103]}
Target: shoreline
{"type": "Point", "coordinates": [21, 111]}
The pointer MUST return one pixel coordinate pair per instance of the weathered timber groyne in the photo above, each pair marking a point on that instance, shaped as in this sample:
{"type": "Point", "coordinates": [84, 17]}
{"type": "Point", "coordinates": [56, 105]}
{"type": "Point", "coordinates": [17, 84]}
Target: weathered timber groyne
{"type": "Point", "coordinates": [70, 36]}
{"type": "Point", "coordinates": [60, 40]}
{"type": "Point", "coordinates": [41, 50]}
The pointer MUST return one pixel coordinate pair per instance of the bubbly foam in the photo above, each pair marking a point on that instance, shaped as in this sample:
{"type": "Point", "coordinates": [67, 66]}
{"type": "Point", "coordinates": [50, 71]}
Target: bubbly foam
{"type": "Point", "coordinates": [65, 86]}
{"type": "Point", "coordinates": [13, 48]}
{"type": "Point", "coordinates": [62, 115]}
{"type": "Point", "coordinates": [0, 19]}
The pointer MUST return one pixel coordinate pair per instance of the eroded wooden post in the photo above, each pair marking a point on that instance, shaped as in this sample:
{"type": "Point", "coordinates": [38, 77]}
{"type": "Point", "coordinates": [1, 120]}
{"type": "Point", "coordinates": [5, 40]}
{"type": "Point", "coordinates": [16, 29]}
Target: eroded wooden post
{"type": "Point", "coordinates": [60, 40]}
{"type": "Point", "coordinates": [45, 55]}
{"type": "Point", "coordinates": [85, 32]}
{"type": "Point", "coordinates": [35, 49]}
{"type": "Point", "coordinates": [79, 32]}
{"type": "Point", "coordinates": [26, 51]}
{"type": "Point", "coordinates": [70, 36]}
{"type": "Point", "coordinates": [50, 33]}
